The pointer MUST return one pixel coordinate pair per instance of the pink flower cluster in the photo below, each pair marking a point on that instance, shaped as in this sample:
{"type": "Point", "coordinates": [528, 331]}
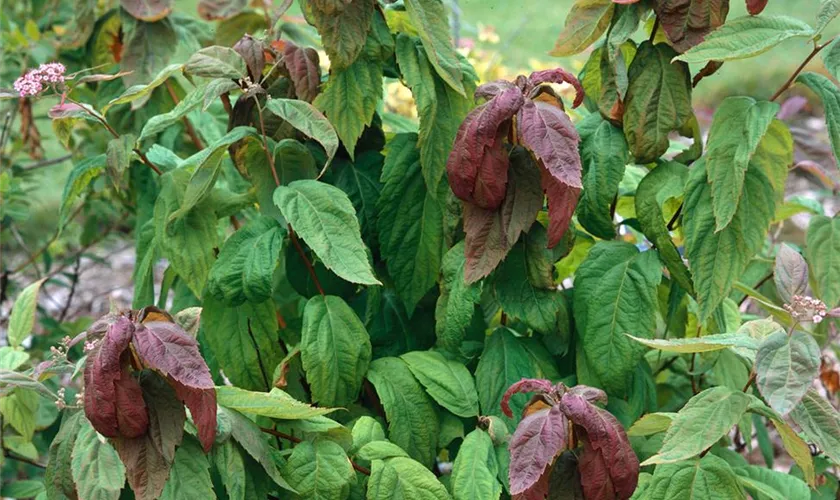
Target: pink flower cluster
{"type": "Point", "coordinates": [32, 83]}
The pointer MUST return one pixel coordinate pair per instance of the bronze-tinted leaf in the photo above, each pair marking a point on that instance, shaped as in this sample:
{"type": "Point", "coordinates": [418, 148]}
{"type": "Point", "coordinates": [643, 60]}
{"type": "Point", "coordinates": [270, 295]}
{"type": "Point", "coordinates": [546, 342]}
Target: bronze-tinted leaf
{"type": "Point", "coordinates": [548, 132]}
{"type": "Point", "coordinates": [558, 75]}
{"type": "Point", "coordinates": [524, 385]}
{"type": "Point", "coordinates": [253, 52]}
{"type": "Point", "coordinates": [754, 7]}
{"type": "Point", "coordinates": [537, 440]}
{"type": "Point", "coordinates": [687, 22]}
{"type": "Point", "coordinates": [304, 68]}
{"type": "Point", "coordinates": [562, 200]}
{"type": "Point", "coordinates": [147, 10]}
{"type": "Point", "coordinates": [212, 10]}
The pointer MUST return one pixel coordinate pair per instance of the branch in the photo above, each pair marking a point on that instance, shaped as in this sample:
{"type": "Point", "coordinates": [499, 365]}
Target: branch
{"type": "Point", "coordinates": [187, 124]}
{"type": "Point", "coordinates": [47, 163]}
{"type": "Point", "coordinates": [8, 454]}
{"type": "Point", "coordinates": [296, 440]}
{"type": "Point", "coordinates": [789, 82]}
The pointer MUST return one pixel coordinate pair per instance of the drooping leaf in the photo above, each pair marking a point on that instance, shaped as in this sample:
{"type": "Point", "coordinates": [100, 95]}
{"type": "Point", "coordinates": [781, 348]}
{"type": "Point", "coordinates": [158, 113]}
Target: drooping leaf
{"type": "Point", "coordinates": [319, 470]}
{"type": "Point", "coordinates": [96, 467]}
{"type": "Point", "coordinates": [562, 200]}
{"type": "Point", "coordinates": [253, 441]}
{"type": "Point", "coordinates": [548, 132]}
{"type": "Point", "coordinates": [401, 477]}
{"type": "Point", "coordinates": [476, 468]}
{"type": "Point", "coordinates": [308, 120]}
{"type": "Point", "coordinates": [658, 100]}
{"type": "Point", "coordinates": [820, 422]}
{"type": "Point", "coordinates": [447, 382]}
{"type": "Point", "coordinates": [771, 484]}
{"type": "Point", "coordinates": [707, 477]}
{"type": "Point", "coordinates": [381, 450]}
{"type": "Point", "coordinates": [217, 62]}
{"type": "Point", "coordinates": [524, 282]}
{"type": "Point", "coordinates": [246, 263]}
{"type": "Point", "coordinates": [456, 304]}
{"type": "Point", "coordinates": [412, 420]}
{"type": "Point", "coordinates": [705, 419]}
{"type": "Point", "coordinates": [335, 350]}
{"type": "Point", "coordinates": [585, 23]}
{"type": "Point", "coordinates": [275, 404]}
{"type": "Point", "coordinates": [525, 386]}
{"type": "Point", "coordinates": [190, 474]}
{"type": "Point", "coordinates": [441, 107]}
{"type": "Point", "coordinates": [687, 22]}
{"type": "Point", "coordinates": [243, 340]}
{"type": "Point", "coordinates": [410, 223]}
{"type": "Point", "coordinates": [744, 37]}
{"type": "Point", "coordinates": [58, 476]}
{"type": "Point", "coordinates": [147, 49]}
{"type": "Point", "coordinates": [622, 301]}
{"type": "Point", "coordinates": [608, 465]}
{"type": "Point", "coordinates": [139, 93]}
{"type": "Point", "coordinates": [80, 177]}
{"type": "Point", "coordinates": [22, 319]}
{"type": "Point", "coordinates": [343, 29]}
{"type": "Point", "coordinates": [790, 273]}
{"type": "Point", "coordinates": [829, 9]}
{"type": "Point", "coordinates": [324, 217]}
{"type": "Point", "coordinates": [739, 125]}
{"type": "Point", "coordinates": [822, 243]}
{"type": "Point", "coordinates": [717, 259]}
{"type": "Point", "coordinates": [706, 343]}
{"type": "Point", "coordinates": [303, 64]}
{"type": "Point", "coordinates": [603, 153]}
{"type": "Point", "coordinates": [538, 438]}
{"type": "Point", "coordinates": [430, 19]}
{"type": "Point", "coordinates": [167, 348]}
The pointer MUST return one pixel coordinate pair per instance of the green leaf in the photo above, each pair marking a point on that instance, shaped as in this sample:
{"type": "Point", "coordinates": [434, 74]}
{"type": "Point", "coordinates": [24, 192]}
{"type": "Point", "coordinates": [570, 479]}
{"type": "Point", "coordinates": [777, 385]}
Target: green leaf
{"type": "Point", "coordinates": [652, 423]}
{"type": "Point", "coordinates": [822, 250]}
{"type": "Point", "coordinates": [707, 478]}
{"type": "Point", "coordinates": [718, 259]}
{"type": "Point", "coordinates": [475, 469]}
{"type": "Point", "coordinates": [205, 167]}
{"type": "Point", "coordinates": [12, 358]}
{"type": "Point", "coordinates": [325, 218]}
{"type": "Point", "coordinates": [504, 361]}
{"type": "Point", "coordinates": [441, 108]}
{"type": "Point", "coordinates": [58, 478]}
{"type": "Point", "coordinates": [410, 223]}
{"type": "Point", "coordinates": [81, 176]}
{"type": "Point", "coordinates": [381, 450]}
{"type": "Point", "coordinates": [244, 341]}
{"type": "Point", "coordinates": [447, 382]}
{"type": "Point", "coordinates": [217, 62]}
{"type": "Point", "coordinates": [343, 28]}
{"type": "Point", "coordinates": [118, 158]}
{"type": "Point", "coordinates": [706, 343]}
{"type": "Point", "coordinates": [603, 152]}
{"type": "Point", "coordinates": [143, 91]}
{"type": "Point", "coordinates": [307, 119]}
{"type": "Point", "coordinates": [663, 183]}
{"type": "Point", "coordinates": [360, 180]}
{"type": "Point", "coordinates": [622, 301]}
{"type": "Point", "coordinates": [403, 478]}
{"type": "Point", "coordinates": [275, 404]}
{"type": "Point", "coordinates": [22, 488]}
{"type": "Point", "coordinates": [366, 430]}
{"type": "Point", "coordinates": [456, 303]}
{"type": "Point", "coordinates": [585, 23]}
{"type": "Point", "coordinates": [744, 37]}
{"type": "Point", "coordinates": [335, 350]}
{"type": "Point", "coordinates": [412, 420]}
{"type": "Point", "coordinates": [22, 319]}
{"type": "Point", "coordinates": [774, 485]}
{"type": "Point", "coordinates": [785, 368]}
{"type": "Point", "coordinates": [230, 465]}
{"type": "Point", "coordinates": [254, 441]}
{"type": "Point", "coordinates": [820, 422]}
{"type": "Point", "coordinates": [658, 101]}
{"type": "Point", "coordinates": [159, 123]}
{"type": "Point", "coordinates": [190, 474]}
{"type": "Point", "coordinates": [188, 242]}
{"type": "Point", "coordinates": [97, 470]}
{"type": "Point", "coordinates": [246, 263]}
{"type": "Point", "coordinates": [18, 410]}
{"type": "Point", "coordinates": [147, 49]}
{"type": "Point", "coordinates": [524, 282]}
{"type": "Point", "coordinates": [432, 23]}
{"type": "Point", "coordinates": [829, 9]}
{"type": "Point", "coordinates": [320, 471]}
{"type": "Point", "coordinates": [705, 419]}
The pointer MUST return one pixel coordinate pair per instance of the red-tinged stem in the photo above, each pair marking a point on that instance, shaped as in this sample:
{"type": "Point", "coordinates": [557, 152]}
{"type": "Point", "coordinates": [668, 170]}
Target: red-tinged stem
{"type": "Point", "coordinates": [789, 82]}
{"type": "Point", "coordinates": [309, 267]}
{"type": "Point", "coordinates": [187, 124]}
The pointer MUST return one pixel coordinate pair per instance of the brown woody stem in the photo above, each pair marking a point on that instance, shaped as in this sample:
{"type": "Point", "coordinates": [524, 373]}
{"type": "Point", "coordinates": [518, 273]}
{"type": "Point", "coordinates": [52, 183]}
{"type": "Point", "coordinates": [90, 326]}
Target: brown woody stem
{"type": "Point", "coordinates": [789, 82]}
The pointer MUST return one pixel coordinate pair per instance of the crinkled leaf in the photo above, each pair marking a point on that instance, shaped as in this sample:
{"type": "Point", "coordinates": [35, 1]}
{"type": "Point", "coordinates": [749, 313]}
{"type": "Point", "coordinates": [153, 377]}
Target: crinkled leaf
{"type": "Point", "coordinates": [525, 385]}
{"type": "Point", "coordinates": [412, 420]}
{"type": "Point", "coordinates": [820, 422]}
{"type": "Point", "coordinates": [343, 30]}
{"type": "Point", "coordinates": [658, 100]}
{"type": "Point", "coordinates": [432, 23]}
{"type": "Point", "coordinates": [190, 474]}
{"type": "Point", "coordinates": [401, 477]}
{"type": "Point", "coordinates": [319, 470]}
{"type": "Point", "coordinates": [707, 477]}
{"type": "Point", "coordinates": [456, 303]}
{"type": "Point", "coordinates": [447, 382]}
{"type": "Point", "coordinates": [246, 263]}
{"type": "Point", "coordinates": [585, 23]}
{"type": "Point", "coordinates": [335, 350]}
{"type": "Point", "coordinates": [303, 65]}
{"type": "Point", "coordinates": [410, 223]}
{"type": "Point", "coordinates": [785, 367]}
{"type": "Point", "coordinates": [790, 273]}
{"type": "Point", "coordinates": [705, 419]}
{"type": "Point", "coordinates": [746, 36]}
{"type": "Point", "coordinates": [562, 200]}
{"type": "Point", "coordinates": [687, 22]}
{"type": "Point", "coordinates": [360, 179]}
{"type": "Point", "coordinates": [147, 49]}
{"type": "Point", "coordinates": [147, 10]}
{"type": "Point", "coordinates": [603, 153]}
{"type": "Point", "coordinates": [538, 438]}
{"type": "Point", "coordinates": [217, 62]}
{"type": "Point", "coordinates": [58, 477]}
{"type": "Point", "coordinates": [324, 217]}
{"type": "Point", "coordinates": [829, 9]}
{"type": "Point", "coordinates": [548, 132]}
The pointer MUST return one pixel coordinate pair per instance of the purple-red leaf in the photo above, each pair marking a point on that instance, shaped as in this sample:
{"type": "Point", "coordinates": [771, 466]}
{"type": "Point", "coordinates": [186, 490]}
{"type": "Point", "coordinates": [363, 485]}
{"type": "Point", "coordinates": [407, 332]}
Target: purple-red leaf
{"type": "Point", "coordinates": [608, 466]}
{"type": "Point", "coordinates": [687, 22]}
{"type": "Point", "coordinates": [212, 10]}
{"type": "Point", "coordinates": [105, 376]}
{"type": "Point", "coordinates": [492, 89]}
{"type": "Point", "coordinates": [478, 150]}
{"type": "Point", "coordinates": [558, 75]}
{"type": "Point", "coordinates": [562, 200]}
{"type": "Point", "coordinates": [253, 52]}
{"type": "Point", "coordinates": [548, 132]}
{"type": "Point", "coordinates": [538, 439]}
{"type": "Point", "coordinates": [754, 7]}
{"type": "Point", "coordinates": [166, 347]}
{"type": "Point", "coordinates": [486, 241]}
{"type": "Point", "coordinates": [304, 69]}
{"type": "Point", "coordinates": [524, 385]}
{"type": "Point", "coordinates": [591, 394]}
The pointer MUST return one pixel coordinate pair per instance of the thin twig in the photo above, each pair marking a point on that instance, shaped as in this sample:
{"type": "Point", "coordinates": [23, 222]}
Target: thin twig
{"type": "Point", "coordinates": [19, 239]}
{"type": "Point", "coordinates": [749, 381]}
{"type": "Point", "coordinates": [8, 454]}
{"type": "Point", "coordinates": [789, 82]}
{"type": "Point", "coordinates": [691, 374]}
{"type": "Point", "coordinates": [47, 163]}
{"type": "Point", "coordinates": [268, 154]}
{"type": "Point", "coordinates": [673, 222]}
{"type": "Point", "coordinates": [73, 283]}
{"type": "Point", "coordinates": [187, 124]}
{"type": "Point", "coordinates": [296, 440]}
{"type": "Point", "coordinates": [654, 29]}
